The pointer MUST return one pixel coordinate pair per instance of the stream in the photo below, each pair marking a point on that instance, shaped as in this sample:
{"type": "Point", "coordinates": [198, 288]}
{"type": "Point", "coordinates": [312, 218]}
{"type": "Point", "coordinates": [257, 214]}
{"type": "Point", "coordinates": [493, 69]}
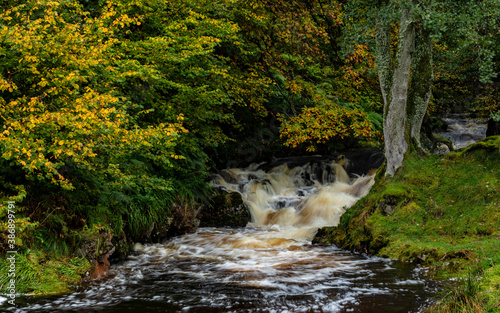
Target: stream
{"type": "Point", "coordinates": [463, 131]}
{"type": "Point", "coordinates": [269, 266]}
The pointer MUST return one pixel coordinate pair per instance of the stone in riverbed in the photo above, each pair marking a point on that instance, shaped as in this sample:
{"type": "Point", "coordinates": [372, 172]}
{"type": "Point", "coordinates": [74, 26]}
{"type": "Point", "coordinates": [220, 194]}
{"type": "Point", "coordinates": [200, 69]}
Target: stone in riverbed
{"type": "Point", "coordinates": [225, 210]}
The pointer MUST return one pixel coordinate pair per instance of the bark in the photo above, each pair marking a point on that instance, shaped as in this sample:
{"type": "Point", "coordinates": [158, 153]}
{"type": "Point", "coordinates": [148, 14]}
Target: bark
{"type": "Point", "coordinates": [383, 57]}
{"type": "Point", "coordinates": [421, 84]}
{"type": "Point", "coordinates": [395, 122]}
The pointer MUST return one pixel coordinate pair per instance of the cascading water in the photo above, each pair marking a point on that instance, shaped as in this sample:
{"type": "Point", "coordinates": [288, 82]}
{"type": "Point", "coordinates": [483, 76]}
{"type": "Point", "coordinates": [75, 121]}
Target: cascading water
{"type": "Point", "coordinates": [464, 131]}
{"type": "Point", "coordinates": [297, 200]}
{"type": "Point", "coordinates": [269, 266]}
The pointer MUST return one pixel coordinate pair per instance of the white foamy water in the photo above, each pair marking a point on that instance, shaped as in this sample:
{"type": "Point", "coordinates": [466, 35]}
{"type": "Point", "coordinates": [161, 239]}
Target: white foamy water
{"type": "Point", "coordinates": [303, 198]}
{"type": "Point", "coordinates": [269, 266]}
{"type": "Point", "coordinates": [463, 131]}
{"type": "Point", "coordinates": [248, 270]}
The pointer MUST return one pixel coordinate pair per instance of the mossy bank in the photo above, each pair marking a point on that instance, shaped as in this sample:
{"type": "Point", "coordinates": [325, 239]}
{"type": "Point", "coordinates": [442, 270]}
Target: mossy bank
{"type": "Point", "coordinates": [439, 211]}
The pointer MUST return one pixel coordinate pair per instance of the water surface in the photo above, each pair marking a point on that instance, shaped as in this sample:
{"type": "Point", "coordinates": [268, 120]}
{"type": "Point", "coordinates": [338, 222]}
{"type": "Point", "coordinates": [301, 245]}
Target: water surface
{"type": "Point", "coordinates": [246, 270]}
{"type": "Point", "coordinates": [269, 266]}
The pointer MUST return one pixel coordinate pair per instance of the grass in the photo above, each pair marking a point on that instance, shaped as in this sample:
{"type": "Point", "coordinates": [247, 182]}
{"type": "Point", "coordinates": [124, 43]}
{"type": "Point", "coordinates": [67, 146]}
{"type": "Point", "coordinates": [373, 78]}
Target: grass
{"type": "Point", "coordinates": [439, 211]}
{"type": "Point", "coordinates": [38, 273]}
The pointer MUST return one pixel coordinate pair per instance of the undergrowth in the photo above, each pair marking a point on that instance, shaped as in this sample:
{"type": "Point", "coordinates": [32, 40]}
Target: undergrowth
{"type": "Point", "coordinates": [41, 273]}
{"type": "Point", "coordinates": [439, 211]}
{"type": "Point", "coordinates": [60, 232]}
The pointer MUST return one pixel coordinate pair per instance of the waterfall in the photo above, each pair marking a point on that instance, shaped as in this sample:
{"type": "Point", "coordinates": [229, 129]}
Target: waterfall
{"type": "Point", "coordinates": [268, 266]}
{"type": "Point", "coordinates": [298, 199]}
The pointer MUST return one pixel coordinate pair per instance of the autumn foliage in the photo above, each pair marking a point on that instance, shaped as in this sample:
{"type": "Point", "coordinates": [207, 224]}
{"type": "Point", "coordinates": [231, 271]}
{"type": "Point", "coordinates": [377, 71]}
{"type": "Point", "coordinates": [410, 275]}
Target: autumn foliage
{"type": "Point", "coordinates": [324, 124]}
{"type": "Point", "coordinates": [110, 112]}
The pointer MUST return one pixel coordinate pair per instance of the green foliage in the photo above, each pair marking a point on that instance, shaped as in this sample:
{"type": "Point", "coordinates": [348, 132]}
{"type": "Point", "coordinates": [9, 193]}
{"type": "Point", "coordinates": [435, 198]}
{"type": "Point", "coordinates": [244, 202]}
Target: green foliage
{"type": "Point", "coordinates": [465, 44]}
{"type": "Point", "coordinates": [110, 112]}
{"type": "Point", "coordinates": [36, 273]}
{"type": "Point", "coordinates": [298, 45]}
{"type": "Point", "coordinates": [97, 123]}
{"type": "Point", "coordinates": [467, 62]}
{"type": "Point", "coordinates": [60, 110]}
{"type": "Point", "coordinates": [496, 116]}
{"type": "Point", "coordinates": [442, 211]}
{"type": "Point", "coordinates": [467, 296]}
{"type": "Point", "coordinates": [320, 124]}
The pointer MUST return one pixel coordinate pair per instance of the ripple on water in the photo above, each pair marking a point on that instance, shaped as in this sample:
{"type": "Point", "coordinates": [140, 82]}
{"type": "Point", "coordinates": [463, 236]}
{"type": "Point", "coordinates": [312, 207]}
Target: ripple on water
{"type": "Point", "coordinates": [204, 273]}
{"type": "Point", "coordinates": [268, 267]}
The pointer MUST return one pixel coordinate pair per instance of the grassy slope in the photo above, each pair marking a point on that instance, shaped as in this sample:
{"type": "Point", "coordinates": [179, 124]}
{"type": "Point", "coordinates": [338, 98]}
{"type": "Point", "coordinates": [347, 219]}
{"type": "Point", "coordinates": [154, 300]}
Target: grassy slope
{"type": "Point", "coordinates": [442, 211]}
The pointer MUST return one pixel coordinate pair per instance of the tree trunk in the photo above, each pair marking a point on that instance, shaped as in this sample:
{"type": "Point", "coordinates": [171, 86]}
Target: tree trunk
{"type": "Point", "coordinates": [383, 57]}
{"type": "Point", "coordinates": [395, 123]}
{"type": "Point", "coordinates": [421, 84]}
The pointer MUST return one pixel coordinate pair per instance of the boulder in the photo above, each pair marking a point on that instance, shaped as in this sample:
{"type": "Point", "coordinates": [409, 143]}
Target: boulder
{"type": "Point", "coordinates": [97, 248]}
{"type": "Point", "coordinates": [442, 149]}
{"type": "Point", "coordinates": [225, 209]}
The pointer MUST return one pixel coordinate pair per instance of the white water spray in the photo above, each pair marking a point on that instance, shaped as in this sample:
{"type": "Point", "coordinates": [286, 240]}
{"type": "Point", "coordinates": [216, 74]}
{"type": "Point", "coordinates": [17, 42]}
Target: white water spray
{"type": "Point", "coordinates": [269, 266]}
{"type": "Point", "coordinates": [297, 200]}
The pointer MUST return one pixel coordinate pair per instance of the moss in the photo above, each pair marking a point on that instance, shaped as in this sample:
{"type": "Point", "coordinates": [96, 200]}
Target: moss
{"type": "Point", "coordinates": [489, 144]}
{"type": "Point", "coordinates": [225, 210]}
{"type": "Point", "coordinates": [490, 287]}
{"type": "Point", "coordinates": [440, 211]}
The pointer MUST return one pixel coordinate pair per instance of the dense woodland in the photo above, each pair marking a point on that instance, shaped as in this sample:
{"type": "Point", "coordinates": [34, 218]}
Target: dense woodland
{"type": "Point", "coordinates": [114, 112]}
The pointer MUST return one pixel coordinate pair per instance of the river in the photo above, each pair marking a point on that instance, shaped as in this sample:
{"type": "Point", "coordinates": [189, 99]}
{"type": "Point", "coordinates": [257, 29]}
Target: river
{"type": "Point", "coordinates": [268, 266]}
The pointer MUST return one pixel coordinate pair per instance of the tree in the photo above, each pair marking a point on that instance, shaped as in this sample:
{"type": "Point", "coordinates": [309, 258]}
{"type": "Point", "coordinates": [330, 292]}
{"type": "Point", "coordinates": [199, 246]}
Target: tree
{"type": "Point", "coordinates": [466, 59]}
{"type": "Point", "coordinates": [406, 74]}
{"type": "Point", "coordinates": [325, 122]}
{"type": "Point", "coordinates": [319, 90]}
{"type": "Point", "coordinates": [404, 109]}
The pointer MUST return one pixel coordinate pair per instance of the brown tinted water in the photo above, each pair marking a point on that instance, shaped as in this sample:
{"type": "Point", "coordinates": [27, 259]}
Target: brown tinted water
{"type": "Point", "coordinates": [269, 266]}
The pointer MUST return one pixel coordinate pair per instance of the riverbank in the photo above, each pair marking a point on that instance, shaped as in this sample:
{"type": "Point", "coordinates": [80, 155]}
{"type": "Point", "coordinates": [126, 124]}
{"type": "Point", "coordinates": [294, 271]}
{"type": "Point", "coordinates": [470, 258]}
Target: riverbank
{"type": "Point", "coordinates": [439, 211]}
{"type": "Point", "coordinates": [56, 271]}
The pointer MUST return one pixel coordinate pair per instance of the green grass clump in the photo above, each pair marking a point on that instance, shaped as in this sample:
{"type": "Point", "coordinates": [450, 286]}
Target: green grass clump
{"type": "Point", "coordinates": [440, 211]}
{"type": "Point", "coordinates": [40, 274]}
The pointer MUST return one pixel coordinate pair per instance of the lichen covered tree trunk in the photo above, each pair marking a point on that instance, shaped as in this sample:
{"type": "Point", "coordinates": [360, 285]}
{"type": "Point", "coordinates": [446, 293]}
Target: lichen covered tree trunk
{"type": "Point", "coordinates": [395, 122]}
{"type": "Point", "coordinates": [383, 57]}
{"type": "Point", "coordinates": [421, 84]}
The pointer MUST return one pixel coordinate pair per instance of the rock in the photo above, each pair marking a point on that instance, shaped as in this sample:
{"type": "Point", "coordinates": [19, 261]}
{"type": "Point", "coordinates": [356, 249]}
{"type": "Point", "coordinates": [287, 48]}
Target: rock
{"type": "Point", "coordinates": [100, 268]}
{"type": "Point", "coordinates": [364, 161]}
{"type": "Point", "coordinates": [225, 210]}
{"type": "Point", "coordinates": [388, 210]}
{"type": "Point", "coordinates": [442, 149]}
{"type": "Point", "coordinates": [359, 162]}
{"type": "Point", "coordinates": [183, 220]}
{"type": "Point", "coordinates": [123, 247]}
{"type": "Point", "coordinates": [97, 248]}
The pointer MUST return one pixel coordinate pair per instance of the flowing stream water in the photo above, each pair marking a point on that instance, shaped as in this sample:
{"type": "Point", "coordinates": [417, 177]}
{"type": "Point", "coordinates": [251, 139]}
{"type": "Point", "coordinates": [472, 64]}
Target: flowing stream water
{"type": "Point", "coordinates": [268, 266]}
{"type": "Point", "coordinates": [464, 131]}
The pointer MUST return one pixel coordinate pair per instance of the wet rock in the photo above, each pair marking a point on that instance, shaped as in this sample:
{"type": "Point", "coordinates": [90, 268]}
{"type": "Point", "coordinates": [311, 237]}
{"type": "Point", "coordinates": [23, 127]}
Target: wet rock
{"type": "Point", "coordinates": [362, 161]}
{"type": "Point", "coordinates": [100, 268]}
{"type": "Point", "coordinates": [388, 210]}
{"type": "Point", "coordinates": [228, 177]}
{"type": "Point", "coordinates": [183, 220]}
{"type": "Point", "coordinates": [359, 162]}
{"type": "Point", "coordinates": [442, 149]}
{"type": "Point", "coordinates": [225, 210]}
{"type": "Point", "coordinates": [123, 247]}
{"type": "Point", "coordinates": [295, 161]}
{"type": "Point", "coordinates": [97, 248]}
